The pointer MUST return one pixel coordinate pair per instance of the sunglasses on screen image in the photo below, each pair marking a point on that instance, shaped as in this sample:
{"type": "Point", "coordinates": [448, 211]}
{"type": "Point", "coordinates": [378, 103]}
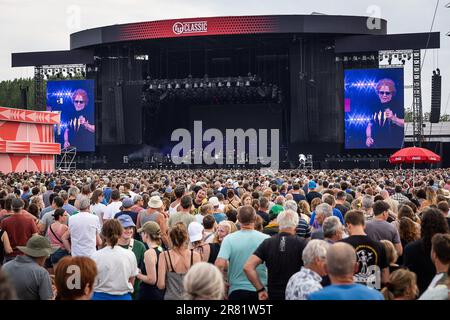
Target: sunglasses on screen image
{"type": "Point", "coordinates": [79, 101]}
{"type": "Point", "coordinates": [384, 93]}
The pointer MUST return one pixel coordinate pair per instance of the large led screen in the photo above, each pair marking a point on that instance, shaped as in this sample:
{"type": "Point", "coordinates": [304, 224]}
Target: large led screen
{"type": "Point", "coordinates": [75, 100]}
{"type": "Point", "coordinates": [374, 108]}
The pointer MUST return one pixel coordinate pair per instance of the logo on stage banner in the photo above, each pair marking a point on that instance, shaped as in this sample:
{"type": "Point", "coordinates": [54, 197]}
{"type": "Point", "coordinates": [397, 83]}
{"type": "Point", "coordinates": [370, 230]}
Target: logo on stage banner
{"type": "Point", "coordinates": [190, 27]}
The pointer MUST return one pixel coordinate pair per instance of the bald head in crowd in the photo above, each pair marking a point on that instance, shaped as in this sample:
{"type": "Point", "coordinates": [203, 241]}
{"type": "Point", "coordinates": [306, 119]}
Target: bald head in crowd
{"type": "Point", "coordinates": [246, 215]}
{"type": "Point", "coordinates": [341, 260]}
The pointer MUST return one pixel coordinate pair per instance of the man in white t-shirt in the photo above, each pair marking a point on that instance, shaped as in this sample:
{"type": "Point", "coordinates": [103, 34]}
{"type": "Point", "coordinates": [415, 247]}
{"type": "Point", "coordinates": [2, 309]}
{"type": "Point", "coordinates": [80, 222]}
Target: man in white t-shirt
{"type": "Point", "coordinates": [113, 207]}
{"type": "Point", "coordinates": [84, 230]}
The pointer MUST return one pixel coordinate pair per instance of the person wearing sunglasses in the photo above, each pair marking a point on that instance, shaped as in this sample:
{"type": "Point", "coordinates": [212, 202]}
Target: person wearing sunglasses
{"type": "Point", "coordinates": [386, 121]}
{"type": "Point", "coordinates": [80, 123]}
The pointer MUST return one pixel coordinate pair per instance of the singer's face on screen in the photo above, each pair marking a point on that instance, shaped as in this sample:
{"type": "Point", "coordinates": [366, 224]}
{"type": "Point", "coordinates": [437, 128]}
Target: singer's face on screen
{"type": "Point", "coordinates": [79, 102]}
{"type": "Point", "coordinates": [385, 94]}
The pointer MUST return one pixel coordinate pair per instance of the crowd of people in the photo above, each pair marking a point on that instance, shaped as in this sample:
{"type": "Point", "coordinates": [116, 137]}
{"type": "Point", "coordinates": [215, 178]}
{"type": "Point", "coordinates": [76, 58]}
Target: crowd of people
{"type": "Point", "coordinates": [225, 234]}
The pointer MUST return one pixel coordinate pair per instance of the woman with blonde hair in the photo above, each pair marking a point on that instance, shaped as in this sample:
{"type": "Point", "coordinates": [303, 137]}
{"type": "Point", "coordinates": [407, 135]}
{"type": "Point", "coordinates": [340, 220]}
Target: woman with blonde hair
{"type": "Point", "coordinates": [356, 204]}
{"type": "Point", "coordinates": [314, 203]}
{"type": "Point", "coordinates": [402, 285]}
{"type": "Point", "coordinates": [431, 198]}
{"type": "Point", "coordinates": [391, 255]}
{"type": "Point", "coordinates": [304, 210]}
{"type": "Point", "coordinates": [204, 281]}
{"type": "Point", "coordinates": [223, 229]}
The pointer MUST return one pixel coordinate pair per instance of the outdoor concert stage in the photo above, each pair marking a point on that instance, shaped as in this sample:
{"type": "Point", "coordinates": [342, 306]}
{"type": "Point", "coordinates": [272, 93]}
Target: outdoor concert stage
{"type": "Point", "coordinates": [282, 72]}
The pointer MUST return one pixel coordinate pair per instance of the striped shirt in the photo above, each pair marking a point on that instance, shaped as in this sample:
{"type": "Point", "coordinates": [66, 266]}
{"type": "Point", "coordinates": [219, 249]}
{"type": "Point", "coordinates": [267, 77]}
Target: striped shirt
{"type": "Point", "coordinates": [303, 229]}
{"type": "Point", "coordinates": [399, 197]}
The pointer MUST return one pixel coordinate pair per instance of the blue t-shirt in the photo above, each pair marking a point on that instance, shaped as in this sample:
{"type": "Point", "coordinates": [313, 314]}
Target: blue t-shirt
{"type": "Point", "coordinates": [71, 210]}
{"type": "Point", "coordinates": [107, 195]}
{"type": "Point", "coordinates": [220, 216]}
{"type": "Point", "coordinates": [298, 197]}
{"type": "Point", "coordinates": [336, 213]}
{"type": "Point", "coordinates": [353, 291]}
{"type": "Point", "coordinates": [237, 247]}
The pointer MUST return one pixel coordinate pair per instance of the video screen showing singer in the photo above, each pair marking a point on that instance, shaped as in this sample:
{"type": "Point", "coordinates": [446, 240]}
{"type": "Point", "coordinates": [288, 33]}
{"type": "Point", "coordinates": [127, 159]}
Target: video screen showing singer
{"type": "Point", "coordinates": [374, 109]}
{"type": "Point", "coordinates": [75, 100]}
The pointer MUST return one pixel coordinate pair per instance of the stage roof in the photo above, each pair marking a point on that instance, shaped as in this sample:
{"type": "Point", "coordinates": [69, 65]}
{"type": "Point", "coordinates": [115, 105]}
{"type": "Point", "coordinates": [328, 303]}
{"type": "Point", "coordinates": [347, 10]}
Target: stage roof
{"type": "Point", "coordinates": [352, 34]}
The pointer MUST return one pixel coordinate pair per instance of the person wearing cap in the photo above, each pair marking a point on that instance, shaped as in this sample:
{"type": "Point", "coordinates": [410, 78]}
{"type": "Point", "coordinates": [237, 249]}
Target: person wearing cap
{"type": "Point", "coordinates": [84, 232]}
{"type": "Point", "coordinates": [127, 241]}
{"type": "Point", "coordinates": [217, 213]}
{"type": "Point", "coordinates": [127, 204]}
{"type": "Point", "coordinates": [138, 204]}
{"type": "Point", "coordinates": [153, 213]}
{"type": "Point", "coordinates": [19, 227]}
{"type": "Point", "coordinates": [27, 274]}
{"type": "Point", "coordinates": [208, 251]}
{"type": "Point", "coordinates": [312, 193]}
{"type": "Point", "coordinates": [148, 275]}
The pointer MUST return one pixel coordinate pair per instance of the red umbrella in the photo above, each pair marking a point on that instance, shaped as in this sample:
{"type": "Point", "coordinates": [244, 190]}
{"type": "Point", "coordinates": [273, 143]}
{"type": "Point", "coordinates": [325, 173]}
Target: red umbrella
{"type": "Point", "coordinates": [414, 155]}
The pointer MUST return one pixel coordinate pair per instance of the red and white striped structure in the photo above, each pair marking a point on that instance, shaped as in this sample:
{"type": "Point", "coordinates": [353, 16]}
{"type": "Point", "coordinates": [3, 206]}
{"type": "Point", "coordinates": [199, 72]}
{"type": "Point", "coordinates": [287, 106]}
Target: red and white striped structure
{"type": "Point", "coordinates": [27, 140]}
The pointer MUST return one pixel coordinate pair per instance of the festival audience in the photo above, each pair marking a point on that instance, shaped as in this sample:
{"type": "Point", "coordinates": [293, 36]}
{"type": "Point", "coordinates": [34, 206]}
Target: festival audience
{"type": "Point", "coordinates": [388, 222]}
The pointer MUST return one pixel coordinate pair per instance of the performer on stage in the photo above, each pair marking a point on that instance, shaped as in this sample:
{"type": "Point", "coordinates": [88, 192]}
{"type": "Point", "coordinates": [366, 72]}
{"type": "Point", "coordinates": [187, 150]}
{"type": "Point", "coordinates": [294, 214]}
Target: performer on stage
{"type": "Point", "coordinates": [386, 123]}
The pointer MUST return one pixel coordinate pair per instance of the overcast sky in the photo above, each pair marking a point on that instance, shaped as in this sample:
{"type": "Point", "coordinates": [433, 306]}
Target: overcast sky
{"type": "Point", "coordinates": [41, 25]}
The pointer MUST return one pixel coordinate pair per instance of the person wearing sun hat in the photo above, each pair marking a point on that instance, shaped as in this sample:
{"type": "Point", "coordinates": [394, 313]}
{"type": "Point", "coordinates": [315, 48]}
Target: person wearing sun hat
{"type": "Point", "coordinates": [154, 213]}
{"type": "Point", "coordinates": [27, 274]}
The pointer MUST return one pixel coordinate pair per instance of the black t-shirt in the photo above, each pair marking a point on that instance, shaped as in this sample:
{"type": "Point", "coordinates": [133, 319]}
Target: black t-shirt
{"type": "Point", "coordinates": [79, 136]}
{"type": "Point", "coordinates": [214, 249]}
{"type": "Point", "coordinates": [368, 253]}
{"type": "Point", "coordinates": [418, 259]}
{"type": "Point", "coordinates": [196, 205]}
{"type": "Point", "coordinates": [282, 254]}
{"type": "Point", "coordinates": [313, 194]}
{"type": "Point", "coordinates": [265, 217]}
{"type": "Point", "coordinates": [385, 133]}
